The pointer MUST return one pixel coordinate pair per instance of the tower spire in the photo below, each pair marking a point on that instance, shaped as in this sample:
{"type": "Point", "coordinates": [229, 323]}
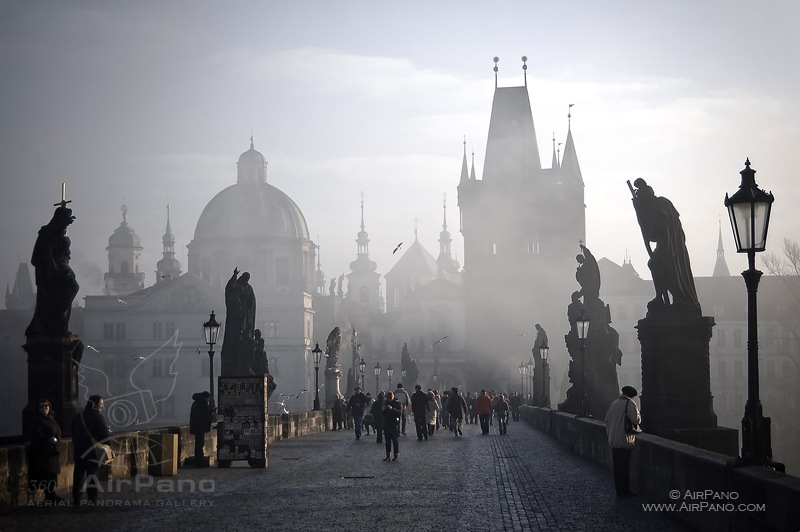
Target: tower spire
{"type": "Point", "coordinates": [721, 266]}
{"type": "Point", "coordinates": [464, 174]}
{"type": "Point", "coordinates": [472, 170]}
{"type": "Point", "coordinates": [496, 60]}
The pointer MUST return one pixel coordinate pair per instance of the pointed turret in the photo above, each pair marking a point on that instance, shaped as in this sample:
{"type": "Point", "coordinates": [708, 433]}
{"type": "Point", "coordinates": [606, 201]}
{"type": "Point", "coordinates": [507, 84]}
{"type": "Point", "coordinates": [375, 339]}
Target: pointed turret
{"type": "Point", "coordinates": [554, 162]}
{"type": "Point", "coordinates": [472, 169]}
{"type": "Point", "coordinates": [569, 163]}
{"type": "Point", "coordinates": [464, 174]}
{"type": "Point", "coordinates": [168, 267]}
{"type": "Point", "coordinates": [721, 267]}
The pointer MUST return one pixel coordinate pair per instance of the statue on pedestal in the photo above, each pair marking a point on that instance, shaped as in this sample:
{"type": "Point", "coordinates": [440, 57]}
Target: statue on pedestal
{"type": "Point", "coordinates": [593, 368]}
{"type": "Point", "coordinates": [260, 363]}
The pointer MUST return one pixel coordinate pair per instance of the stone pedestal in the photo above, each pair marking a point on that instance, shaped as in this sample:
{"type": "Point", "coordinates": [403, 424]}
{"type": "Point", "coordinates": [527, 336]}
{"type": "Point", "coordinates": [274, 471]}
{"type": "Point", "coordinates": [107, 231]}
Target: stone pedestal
{"type": "Point", "coordinates": [676, 398]}
{"type": "Point", "coordinates": [332, 378]}
{"type": "Point", "coordinates": [53, 375]}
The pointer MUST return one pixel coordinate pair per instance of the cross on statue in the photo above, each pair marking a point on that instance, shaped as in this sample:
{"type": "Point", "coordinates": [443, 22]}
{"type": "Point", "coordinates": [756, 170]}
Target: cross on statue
{"type": "Point", "coordinates": [580, 242]}
{"type": "Point", "coordinates": [63, 201]}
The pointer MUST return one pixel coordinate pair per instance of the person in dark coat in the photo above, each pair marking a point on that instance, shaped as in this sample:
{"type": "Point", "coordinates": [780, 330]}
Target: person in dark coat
{"type": "Point", "coordinates": [392, 413]}
{"type": "Point", "coordinates": [377, 416]}
{"type": "Point", "coordinates": [44, 453]}
{"type": "Point", "coordinates": [199, 424]}
{"type": "Point", "coordinates": [338, 413]}
{"type": "Point", "coordinates": [89, 432]}
{"type": "Point", "coordinates": [420, 408]}
{"type": "Point", "coordinates": [356, 406]}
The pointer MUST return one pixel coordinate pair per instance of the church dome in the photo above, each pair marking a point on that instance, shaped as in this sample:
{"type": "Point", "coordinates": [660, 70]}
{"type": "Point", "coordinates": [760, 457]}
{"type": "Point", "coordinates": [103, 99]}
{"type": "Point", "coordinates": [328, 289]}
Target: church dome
{"type": "Point", "coordinates": [251, 210]}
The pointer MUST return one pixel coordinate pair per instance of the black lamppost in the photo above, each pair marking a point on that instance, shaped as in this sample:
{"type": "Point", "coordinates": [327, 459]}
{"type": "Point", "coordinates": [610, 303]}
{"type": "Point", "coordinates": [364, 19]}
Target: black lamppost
{"type": "Point", "coordinates": [403, 373]}
{"type": "Point", "coordinates": [544, 351]}
{"type": "Point", "coordinates": [362, 365]}
{"type": "Point", "coordinates": [211, 330]}
{"type": "Point", "coordinates": [749, 210]}
{"type": "Point", "coordinates": [531, 367]}
{"type": "Point", "coordinates": [523, 370]}
{"type": "Point", "coordinates": [317, 352]}
{"type": "Point", "coordinates": [377, 374]}
{"type": "Point", "coordinates": [389, 373]}
{"type": "Point", "coordinates": [582, 323]}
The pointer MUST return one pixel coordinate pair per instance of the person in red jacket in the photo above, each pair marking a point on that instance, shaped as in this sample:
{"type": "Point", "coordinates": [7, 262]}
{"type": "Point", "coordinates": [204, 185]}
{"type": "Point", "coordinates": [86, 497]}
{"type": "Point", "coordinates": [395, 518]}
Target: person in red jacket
{"type": "Point", "coordinates": [483, 405]}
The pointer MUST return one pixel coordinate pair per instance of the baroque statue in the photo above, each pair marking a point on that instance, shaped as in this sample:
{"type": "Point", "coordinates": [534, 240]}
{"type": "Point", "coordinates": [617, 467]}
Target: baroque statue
{"type": "Point", "coordinates": [56, 286]}
{"type": "Point", "coordinates": [669, 260]}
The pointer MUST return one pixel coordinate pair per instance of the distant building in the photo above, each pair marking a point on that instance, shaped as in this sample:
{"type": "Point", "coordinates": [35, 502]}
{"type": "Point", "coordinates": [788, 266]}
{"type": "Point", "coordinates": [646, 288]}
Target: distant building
{"type": "Point", "coordinates": [124, 254]}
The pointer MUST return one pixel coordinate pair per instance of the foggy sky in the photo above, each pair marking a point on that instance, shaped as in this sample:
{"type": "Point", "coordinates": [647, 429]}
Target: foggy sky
{"type": "Point", "coordinates": [150, 104]}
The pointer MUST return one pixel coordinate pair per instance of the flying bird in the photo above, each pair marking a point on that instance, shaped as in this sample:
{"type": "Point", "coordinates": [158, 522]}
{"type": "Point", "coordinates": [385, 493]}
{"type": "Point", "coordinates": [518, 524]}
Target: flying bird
{"type": "Point", "coordinates": [438, 341]}
{"type": "Point", "coordinates": [121, 301]}
{"type": "Point", "coordinates": [397, 248]}
{"type": "Point", "coordinates": [140, 358]}
{"type": "Point", "coordinates": [92, 348]}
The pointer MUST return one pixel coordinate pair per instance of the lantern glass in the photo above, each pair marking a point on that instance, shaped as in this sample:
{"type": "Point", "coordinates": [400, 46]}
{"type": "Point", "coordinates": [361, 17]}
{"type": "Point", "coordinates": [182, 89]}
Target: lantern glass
{"type": "Point", "coordinates": [544, 351]}
{"type": "Point", "coordinates": [377, 369]}
{"type": "Point", "coordinates": [749, 210]}
{"type": "Point", "coordinates": [317, 352]}
{"type": "Point", "coordinates": [362, 365]}
{"type": "Point", "coordinates": [582, 323]}
{"type": "Point", "coordinates": [389, 371]}
{"type": "Point", "coordinates": [211, 329]}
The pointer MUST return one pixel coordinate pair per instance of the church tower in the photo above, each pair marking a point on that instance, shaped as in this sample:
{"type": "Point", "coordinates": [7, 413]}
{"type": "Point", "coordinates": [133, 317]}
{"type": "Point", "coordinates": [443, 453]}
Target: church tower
{"type": "Point", "coordinates": [22, 296]}
{"type": "Point", "coordinates": [447, 267]}
{"type": "Point", "coordinates": [168, 267]}
{"type": "Point", "coordinates": [521, 225]}
{"type": "Point", "coordinates": [363, 281]}
{"type": "Point", "coordinates": [124, 253]}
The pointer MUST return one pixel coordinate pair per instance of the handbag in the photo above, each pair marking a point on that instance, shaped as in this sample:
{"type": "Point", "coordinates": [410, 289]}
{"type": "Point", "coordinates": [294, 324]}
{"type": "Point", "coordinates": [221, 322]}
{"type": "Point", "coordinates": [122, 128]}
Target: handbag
{"type": "Point", "coordinates": [630, 426]}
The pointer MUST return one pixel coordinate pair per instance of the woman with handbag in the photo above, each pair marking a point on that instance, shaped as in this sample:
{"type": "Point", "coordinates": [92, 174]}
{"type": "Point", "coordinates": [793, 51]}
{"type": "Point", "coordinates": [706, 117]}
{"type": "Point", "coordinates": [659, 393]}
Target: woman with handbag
{"type": "Point", "coordinates": [622, 425]}
{"type": "Point", "coordinates": [44, 453]}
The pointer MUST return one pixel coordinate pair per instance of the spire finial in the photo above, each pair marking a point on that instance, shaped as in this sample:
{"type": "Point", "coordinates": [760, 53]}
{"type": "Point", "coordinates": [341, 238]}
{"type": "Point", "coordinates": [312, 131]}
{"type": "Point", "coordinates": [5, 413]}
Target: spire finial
{"type": "Point", "coordinates": [559, 153]}
{"type": "Point", "coordinates": [168, 228]}
{"type": "Point", "coordinates": [525, 68]}
{"type": "Point", "coordinates": [444, 208]}
{"type": "Point", "coordinates": [124, 210]}
{"type": "Point", "coordinates": [251, 140]}
{"type": "Point", "coordinates": [362, 210]}
{"type": "Point", "coordinates": [496, 60]}
{"type": "Point", "coordinates": [569, 116]}
{"type": "Point", "coordinates": [416, 229]}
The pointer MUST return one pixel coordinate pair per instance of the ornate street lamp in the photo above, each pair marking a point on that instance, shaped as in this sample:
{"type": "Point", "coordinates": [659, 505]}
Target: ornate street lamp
{"type": "Point", "coordinates": [544, 351]}
{"type": "Point", "coordinates": [403, 373]}
{"type": "Point", "coordinates": [522, 372]}
{"type": "Point", "coordinates": [211, 330]}
{"type": "Point", "coordinates": [317, 352]}
{"type": "Point", "coordinates": [389, 373]}
{"type": "Point", "coordinates": [362, 365]}
{"type": "Point", "coordinates": [582, 323]}
{"type": "Point", "coordinates": [377, 374]}
{"type": "Point", "coordinates": [749, 210]}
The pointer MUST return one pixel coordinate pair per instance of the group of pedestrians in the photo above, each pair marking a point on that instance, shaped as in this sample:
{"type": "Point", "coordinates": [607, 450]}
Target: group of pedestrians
{"type": "Point", "coordinates": [90, 434]}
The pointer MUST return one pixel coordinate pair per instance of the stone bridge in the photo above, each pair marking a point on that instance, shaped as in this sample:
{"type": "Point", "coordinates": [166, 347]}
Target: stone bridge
{"type": "Point", "coordinates": [550, 472]}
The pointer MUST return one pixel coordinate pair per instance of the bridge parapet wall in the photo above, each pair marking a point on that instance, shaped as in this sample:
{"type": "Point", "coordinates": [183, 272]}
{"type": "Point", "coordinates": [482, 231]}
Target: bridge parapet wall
{"type": "Point", "coordinates": [134, 452]}
{"type": "Point", "coordinates": [689, 478]}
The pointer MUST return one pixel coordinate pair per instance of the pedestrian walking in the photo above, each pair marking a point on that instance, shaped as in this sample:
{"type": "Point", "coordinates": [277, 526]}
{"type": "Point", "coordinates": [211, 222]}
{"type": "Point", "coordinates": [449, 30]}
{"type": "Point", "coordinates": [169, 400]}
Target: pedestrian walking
{"type": "Point", "coordinates": [89, 433]}
{"type": "Point", "coordinates": [501, 412]}
{"type": "Point", "coordinates": [44, 452]}
{"type": "Point", "coordinates": [420, 409]}
{"type": "Point", "coordinates": [199, 424]}
{"type": "Point", "coordinates": [456, 408]}
{"type": "Point", "coordinates": [338, 413]}
{"type": "Point", "coordinates": [470, 400]}
{"type": "Point", "coordinates": [622, 437]}
{"type": "Point", "coordinates": [515, 402]}
{"type": "Point", "coordinates": [392, 412]}
{"type": "Point", "coordinates": [356, 407]}
{"type": "Point", "coordinates": [369, 420]}
{"type": "Point", "coordinates": [433, 411]}
{"type": "Point", "coordinates": [483, 406]}
{"type": "Point", "coordinates": [401, 395]}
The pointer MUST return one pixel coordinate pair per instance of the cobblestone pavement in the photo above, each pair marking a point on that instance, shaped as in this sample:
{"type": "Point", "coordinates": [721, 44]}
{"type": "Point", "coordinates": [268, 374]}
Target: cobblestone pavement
{"type": "Point", "coordinates": [523, 480]}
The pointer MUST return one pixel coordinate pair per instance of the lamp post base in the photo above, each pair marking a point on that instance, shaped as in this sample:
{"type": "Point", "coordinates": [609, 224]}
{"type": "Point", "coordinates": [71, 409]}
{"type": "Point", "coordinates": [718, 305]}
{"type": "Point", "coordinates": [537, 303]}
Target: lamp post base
{"type": "Point", "coordinates": [316, 403]}
{"type": "Point", "coordinates": [756, 440]}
